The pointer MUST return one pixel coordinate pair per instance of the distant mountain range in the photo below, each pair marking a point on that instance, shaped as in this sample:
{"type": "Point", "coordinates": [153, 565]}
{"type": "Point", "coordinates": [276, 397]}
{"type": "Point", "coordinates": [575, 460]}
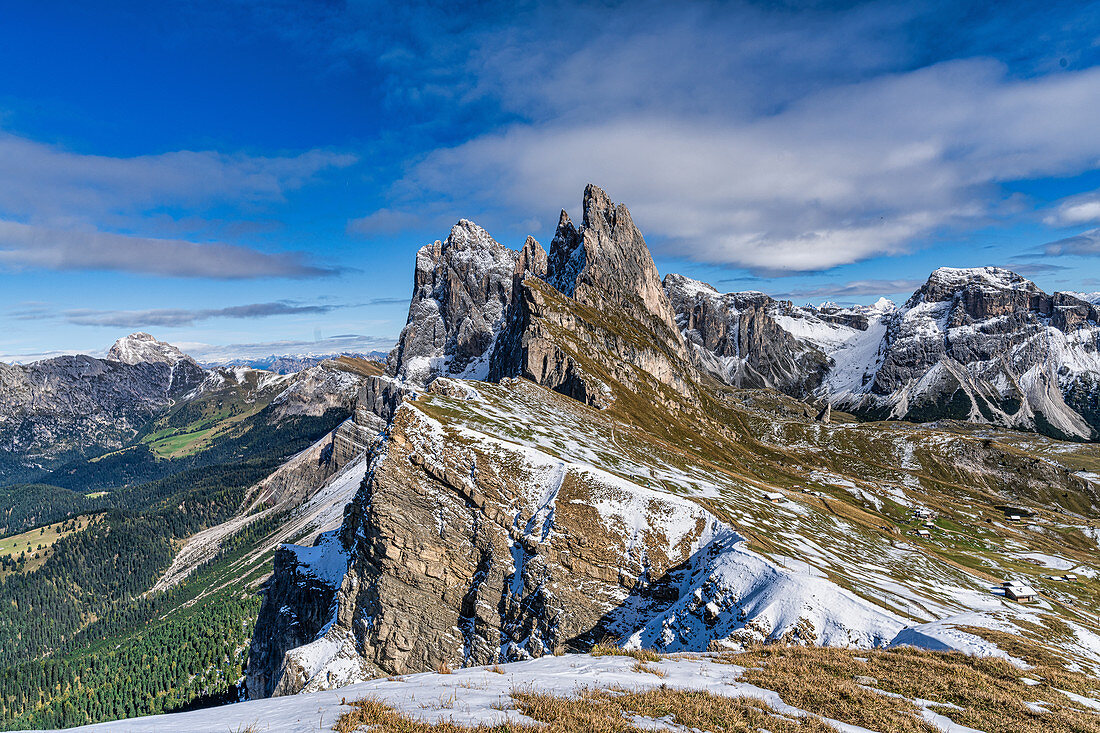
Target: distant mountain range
{"type": "Point", "coordinates": [67, 406]}
{"type": "Point", "coordinates": [564, 448]}
{"type": "Point", "coordinates": [290, 363]}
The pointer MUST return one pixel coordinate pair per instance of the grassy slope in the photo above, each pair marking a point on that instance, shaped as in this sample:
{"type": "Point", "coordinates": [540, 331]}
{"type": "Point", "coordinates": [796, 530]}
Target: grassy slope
{"type": "Point", "coordinates": [36, 543]}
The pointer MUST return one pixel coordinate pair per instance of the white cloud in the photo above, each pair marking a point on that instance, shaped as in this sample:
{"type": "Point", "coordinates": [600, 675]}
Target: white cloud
{"type": "Point", "coordinates": [1076, 210]}
{"type": "Point", "coordinates": [62, 210]}
{"type": "Point", "coordinates": [844, 174]}
{"type": "Point", "coordinates": [26, 246]}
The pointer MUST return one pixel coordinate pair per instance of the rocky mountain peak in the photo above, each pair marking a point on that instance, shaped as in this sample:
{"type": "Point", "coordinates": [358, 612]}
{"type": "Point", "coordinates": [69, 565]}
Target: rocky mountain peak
{"type": "Point", "coordinates": [737, 337]}
{"type": "Point", "coordinates": [606, 264]}
{"type": "Point", "coordinates": [142, 348]}
{"type": "Point", "coordinates": [461, 290]}
{"type": "Point", "coordinates": [945, 283]}
{"type": "Point", "coordinates": [567, 256]}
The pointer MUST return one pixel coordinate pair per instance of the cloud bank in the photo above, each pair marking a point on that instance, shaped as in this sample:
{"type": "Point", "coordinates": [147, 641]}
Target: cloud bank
{"type": "Point", "coordinates": [853, 172]}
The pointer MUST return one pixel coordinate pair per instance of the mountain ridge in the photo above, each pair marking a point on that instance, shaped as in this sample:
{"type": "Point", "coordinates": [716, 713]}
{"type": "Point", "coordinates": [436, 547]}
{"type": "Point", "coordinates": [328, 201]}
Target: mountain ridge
{"type": "Point", "coordinates": [605, 479]}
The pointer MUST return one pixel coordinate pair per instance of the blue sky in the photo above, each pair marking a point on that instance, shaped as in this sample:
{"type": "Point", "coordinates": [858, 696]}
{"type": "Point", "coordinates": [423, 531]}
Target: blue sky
{"type": "Point", "coordinates": [243, 178]}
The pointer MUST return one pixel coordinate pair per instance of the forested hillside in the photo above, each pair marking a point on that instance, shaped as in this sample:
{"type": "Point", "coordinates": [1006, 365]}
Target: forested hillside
{"type": "Point", "coordinates": [83, 641]}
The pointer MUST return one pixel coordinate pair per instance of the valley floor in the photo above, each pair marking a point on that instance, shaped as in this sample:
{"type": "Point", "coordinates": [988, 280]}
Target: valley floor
{"type": "Point", "coordinates": [777, 687]}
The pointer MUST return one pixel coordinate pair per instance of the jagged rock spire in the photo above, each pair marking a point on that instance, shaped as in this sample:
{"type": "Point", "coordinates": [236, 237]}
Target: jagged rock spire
{"type": "Point", "coordinates": [606, 264]}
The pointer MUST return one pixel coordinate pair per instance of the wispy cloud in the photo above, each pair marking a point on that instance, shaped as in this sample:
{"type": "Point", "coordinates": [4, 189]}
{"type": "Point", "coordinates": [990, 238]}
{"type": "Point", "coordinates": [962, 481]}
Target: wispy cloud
{"type": "Point", "coordinates": [1031, 269]}
{"type": "Point", "coordinates": [179, 317]}
{"type": "Point", "coordinates": [48, 184]}
{"type": "Point", "coordinates": [62, 210]}
{"type": "Point", "coordinates": [24, 246]}
{"type": "Point", "coordinates": [182, 317]}
{"type": "Point", "coordinates": [385, 221]}
{"type": "Point", "coordinates": [1086, 243]}
{"type": "Point", "coordinates": [854, 289]}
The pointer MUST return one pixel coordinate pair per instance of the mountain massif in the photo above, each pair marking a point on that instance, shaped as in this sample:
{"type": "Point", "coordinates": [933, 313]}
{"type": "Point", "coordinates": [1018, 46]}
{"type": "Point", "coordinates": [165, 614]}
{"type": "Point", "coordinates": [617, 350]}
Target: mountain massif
{"type": "Point", "coordinates": [566, 450]}
{"type": "Point", "coordinates": [982, 344]}
{"type": "Point", "coordinates": [565, 453]}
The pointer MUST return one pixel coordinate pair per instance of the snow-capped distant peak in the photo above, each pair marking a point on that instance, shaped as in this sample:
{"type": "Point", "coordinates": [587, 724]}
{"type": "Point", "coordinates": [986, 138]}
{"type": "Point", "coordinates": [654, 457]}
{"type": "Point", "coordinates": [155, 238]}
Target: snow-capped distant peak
{"type": "Point", "coordinates": [882, 305]}
{"type": "Point", "coordinates": [687, 286]}
{"type": "Point", "coordinates": [995, 277]}
{"type": "Point", "coordinates": [138, 348]}
{"type": "Point", "coordinates": [1093, 298]}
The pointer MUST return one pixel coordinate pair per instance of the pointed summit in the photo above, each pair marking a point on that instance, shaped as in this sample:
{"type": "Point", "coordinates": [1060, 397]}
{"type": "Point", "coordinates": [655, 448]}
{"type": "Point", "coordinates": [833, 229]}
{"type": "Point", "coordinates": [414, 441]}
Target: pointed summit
{"type": "Point", "coordinates": [140, 347]}
{"type": "Point", "coordinates": [607, 265]}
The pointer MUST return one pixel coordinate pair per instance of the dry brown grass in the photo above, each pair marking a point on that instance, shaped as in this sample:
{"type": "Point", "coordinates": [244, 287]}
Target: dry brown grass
{"type": "Point", "coordinates": [598, 712]}
{"type": "Point", "coordinates": [989, 691]}
{"type": "Point", "coordinates": [643, 667]}
{"type": "Point", "coordinates": [827, 683]}
{"type": "Point", "coordinates": [609, 650]}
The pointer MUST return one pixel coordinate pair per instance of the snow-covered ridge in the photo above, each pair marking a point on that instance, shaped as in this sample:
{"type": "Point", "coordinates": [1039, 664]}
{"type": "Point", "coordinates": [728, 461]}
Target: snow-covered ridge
{"type": "Point", "coordinates": [990, 277]}
{"type": "Point", "coordinates": [984, 339]}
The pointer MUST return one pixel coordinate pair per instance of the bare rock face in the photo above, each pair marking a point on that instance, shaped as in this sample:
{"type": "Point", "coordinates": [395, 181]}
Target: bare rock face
{"type": "Point", "coordinates": [140, 347]}
{"type": "Point", "coordinates": [599, 314]}
{"type": "Point", "coordinates": [316, 390]}
{"type": "Point", "coordinates": [462, 553]}
{"type": "Point", "coordinates": [607, 266]}
{"type": "Point", "coordinates": [307, 607]}
{"type": "Point", "coordinates": [985, 344]}
{"type": "Point", "coordinates": [736, 338]}
{"type": "Point", "coordinates": [462, 289]}
{"type": "Point", "coordinates": [979, 344]}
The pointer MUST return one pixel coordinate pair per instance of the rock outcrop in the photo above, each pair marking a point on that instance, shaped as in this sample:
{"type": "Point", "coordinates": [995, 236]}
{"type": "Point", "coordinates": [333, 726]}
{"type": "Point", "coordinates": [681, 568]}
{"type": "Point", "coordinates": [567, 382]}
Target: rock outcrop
{"type": "Point", "coordinates": [736, 337]}
{"type": "Point", "coordinates": [599, 314]}
{"type": "Point", "coordinates": [987, 345]}
{"type": "Point", "coordinates": [462, 288]}
{"type": "Point", "coordinates": [979, 344]}
{"type": "Point", "coordinates": [462, 551]}
{"type": "Point", "coordinates": [446, 534]}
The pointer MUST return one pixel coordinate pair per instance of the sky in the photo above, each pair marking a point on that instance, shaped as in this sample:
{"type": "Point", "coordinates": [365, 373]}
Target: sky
{"type": "Point", "coordinates": [247, 178]}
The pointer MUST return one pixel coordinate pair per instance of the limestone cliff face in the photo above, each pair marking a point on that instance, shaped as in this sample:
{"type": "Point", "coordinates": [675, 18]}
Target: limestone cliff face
{"type": "Point", "coordinates": [979, 344]}
{"type": "Point", "coordinates": [463, 551]}
{"type": "Point", "coordinates": [736, 337]}
{"type": "Point", "coordinates": [307, 607]}
{"type": "Point", "coordinates": [606, 266]}
{"type": "Point", "coordinates": [985, 344]}
{"type": "Point", "coordinates": [461, 292]}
